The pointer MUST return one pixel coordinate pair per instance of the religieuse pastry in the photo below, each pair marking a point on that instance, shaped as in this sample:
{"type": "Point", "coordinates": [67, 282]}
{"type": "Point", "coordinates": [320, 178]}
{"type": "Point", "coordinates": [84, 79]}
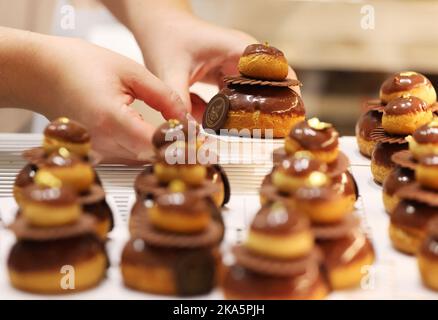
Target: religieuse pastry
{"type": "Point", "coordinates": [428, 257]}
{"type": "Point", "coordinates": [424, 141]}
{"type": "Point", "coordinates": [398, 178]}
{"type": "Point", "coordinates": [407, 100]}
{"type": "Point", "coordinates": [278, 260]}
{"type": "Point", "coordinates": [174, 246]}
{"type": "Point", "coordinates": [176, 146]}
{"type": "Point", "coordinates": [407, 83]}
{"type": "Point", "coordinates": [365, 125]}
{"type": "Point", "coordinates": [52, 167]}
{"type": "Point", "coordinates": [259, 98]}
{"type": "Point", "coordinates": [53, 234]}
{"type": "Point", "coordinates": [312, 174]}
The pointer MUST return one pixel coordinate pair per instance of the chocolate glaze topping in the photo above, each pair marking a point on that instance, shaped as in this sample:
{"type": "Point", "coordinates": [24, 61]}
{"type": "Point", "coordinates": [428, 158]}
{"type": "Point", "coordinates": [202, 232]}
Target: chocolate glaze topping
{"type": "Point", "coordinates": [413, 214]}
{"type": "Point", "coordinates": [277, 219]}
{"type": "Point", "coordinates": [25, 176]}
{"type": "Point", "coordinates": [301, 166]}
{"type": "Point", "coordinates": [346, 250]}
{"type": "Point", "coordinates": [67, 130]}
{"type": "Point", "coordinates": [426, 134]}
{"type": "Point", "coordinates": [383, 152]}
{"type": "Point", "coordinates": [28, 256]}
{"type": "Point", "coordinates": [271, 100]}
{"type": "Point", "coordinates": [262, 49]}
{"type": "Point", "coordinates": [398, 178]}
{"type": "Point", "coordinates": [60, 159]}
{"type": "Point", "coordinates": [345, 184]}
{"type": "Point", "coordinates": [253, 285]}
{"type": "Point", "coordinates": [404, 81]}
{"type": "Point", "coordinates": [405, 105]}
{"type": "Point", "coordinates": [174, 129]}
{"type": "Point", "coordinates": [429, 161]}
{"type": "Point", "coordinates": [367, 122]}
{"type": "Point", "coordinates": [50, 196]}
{"type": "Point", "coordinates": [313, 139]}
{"type": "Point", "coordinates": [182, 201]}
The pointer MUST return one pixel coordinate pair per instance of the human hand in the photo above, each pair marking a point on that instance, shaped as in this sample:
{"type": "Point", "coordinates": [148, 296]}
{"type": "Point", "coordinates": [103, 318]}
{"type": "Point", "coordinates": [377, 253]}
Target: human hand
{"type": "Point", "coordinates": [95, 87]}
{"type": "Point", "coordinates": [181, 50]}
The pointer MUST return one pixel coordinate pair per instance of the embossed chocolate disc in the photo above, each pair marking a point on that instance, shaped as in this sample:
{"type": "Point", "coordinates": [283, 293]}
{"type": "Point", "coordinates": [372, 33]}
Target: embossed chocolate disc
{"type": "Point", "coordinates": [216, 113]}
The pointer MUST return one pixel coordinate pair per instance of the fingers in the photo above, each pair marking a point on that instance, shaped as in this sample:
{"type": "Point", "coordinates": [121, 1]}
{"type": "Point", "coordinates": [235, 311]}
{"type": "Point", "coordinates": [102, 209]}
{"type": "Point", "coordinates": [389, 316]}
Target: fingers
{"type": "Point", "coordinates": [178, 80]}
{"type": "Point", "coordinates": [131, 134]}
{"type": "Point", "coordinates": [155, 93]}
{"type": "Point", "coordinates": [198, 107]}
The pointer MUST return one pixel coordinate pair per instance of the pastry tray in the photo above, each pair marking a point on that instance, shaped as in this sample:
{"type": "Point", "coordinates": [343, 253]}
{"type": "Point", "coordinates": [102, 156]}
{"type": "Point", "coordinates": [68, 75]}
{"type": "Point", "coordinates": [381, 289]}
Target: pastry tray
{"type": "Point", "coordinates": [394, 275]}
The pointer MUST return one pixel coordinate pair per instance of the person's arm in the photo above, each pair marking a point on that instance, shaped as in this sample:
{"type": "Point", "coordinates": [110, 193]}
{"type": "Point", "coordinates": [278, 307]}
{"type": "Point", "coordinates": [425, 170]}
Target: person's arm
{"type": "Point", "coordinates": [180, 48]}
{"type": "Point", "coordinates": [70, 77]}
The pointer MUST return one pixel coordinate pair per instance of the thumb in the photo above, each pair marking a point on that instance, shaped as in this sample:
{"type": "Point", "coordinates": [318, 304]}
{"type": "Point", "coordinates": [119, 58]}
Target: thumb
{"type": "Point", "coordinates": [148, 88]}
{"type": "Point", "coordinates": [132, 133]}
{"type": "Point", "coordinates": [178, 80]}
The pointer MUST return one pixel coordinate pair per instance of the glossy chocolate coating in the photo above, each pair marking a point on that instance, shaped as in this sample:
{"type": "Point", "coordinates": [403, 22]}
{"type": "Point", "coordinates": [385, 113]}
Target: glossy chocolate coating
{"type": "Point", "coordinates": [266, 99]}
{"type": "Point", "coordinates": [182, 201]}
{"type": "Point", "coordinates": [276, 219]}
{"type": "Point", "coordinates": [50, 196]}
{"type": "Point", "coordinates": [345, 184]}
{"type": "Point", "coordinates": [403, 81]}
{"type": "Point", "coordinates": [413, 214]}
{"type": "Point", "coordinates": [57, 159]}
{"type": "Point", "coordinates": [100, 210]}
{"type": "Point", "coordinates": [301, 166]}
{"type": "Point", "coordinates": [383, 152]}
{"type": "Point", "coordinates": [250, 285]}
{"type": "Point", "coordinates": [367, 122]}
{"type": "Point", "coordinates": [67, 130]}
{"type": "Point", "coordinates": [217, 174]}
{"type": "Point", "coordinates": [429, 247]}
{"type": "Point", "coordinates": [36, 256]}
{"type": "Point", "coordinates": [346, 250]}
{"type": "Point", "coordinates": [429, 161]}
{"type": "Point", "coordinates": [262, 49]}
{"type": "Point", "coordinates": [25, 176]}
{"type": "Point", "coordinates": [313, 139]}
{"type": "Point", "coordinates": [194, 270]}
{"type": "Point", "coordinates": [426, 134]}
{"type": "Point", "coordinates": [402, 106]}
{"type": "Point", "coordinates": [398, 178]}
{"type": "Point", "coordinates": [174, 129]}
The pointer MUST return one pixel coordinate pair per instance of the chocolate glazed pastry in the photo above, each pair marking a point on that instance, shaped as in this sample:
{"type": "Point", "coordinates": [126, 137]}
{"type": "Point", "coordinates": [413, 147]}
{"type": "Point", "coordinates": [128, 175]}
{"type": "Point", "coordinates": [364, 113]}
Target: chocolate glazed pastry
{"type": "Point", "coordinates": [365, 125]}
{"type": "Point", "coordinates": [186, 272]}
{"type": "Point", "coordinates": [31, 256]}
{"type": "Point", "coordinates": [25, 176]}
{"type": "Point", "coordinates": [404, 81]}
{"type": "Point", "coordinates": [269, 100]}
{"type": "Point", "coordinates": [314, 140]}
{"type": "Point", "coordinates": [381, 162]}
{"type": "Point", "coordinates": [69, 130]}
{"type": "Point", "coordinates": [226, 183]}
{"type": "Point", "coordinates": [101, 211]}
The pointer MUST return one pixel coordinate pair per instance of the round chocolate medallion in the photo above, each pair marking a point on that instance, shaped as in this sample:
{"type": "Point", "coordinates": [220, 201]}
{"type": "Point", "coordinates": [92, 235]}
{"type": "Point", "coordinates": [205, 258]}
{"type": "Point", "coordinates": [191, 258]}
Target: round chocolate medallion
{"type": "Point", "coordinates": [216, 113]}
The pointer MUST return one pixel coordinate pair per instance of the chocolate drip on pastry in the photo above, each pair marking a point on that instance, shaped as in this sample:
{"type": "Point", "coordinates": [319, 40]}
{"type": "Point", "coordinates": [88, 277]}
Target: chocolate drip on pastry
{"type": "Point", "coordinates": [367, 122]}
{"type": "Point", "coordinates": [383, 152]}
{"type": "Point", "coordinates": [262, 49]}
{"type": "Point", "coordinates": [25, 176]}
{"type": "Point", "coordinates": [301, 166]}
{"type": "Point", "coordinates": [28, 256]}
{"type": "Point", "coordinates": [412, 214]}
{"type": "Point", "coordinates": [50, 196]}
{"type": "Point", "coordinates": [172, 130]}
{"type": "Point", "coordinates": [270, 100]}
{"type": "Point", "coordinates": [402, 106]}
{"type": "Point", "coordinates": [277, 219]}
{"type": "Point", "coordinates": [403, 81]}
{"type": "Point", "coordinates": [426, 134]}
{"type": "Point", "coordinates": [67, 130]}
{"type": "Point", "coordinates": [313, 139]}
{"type": "Point", "coordinates": [398, 178]}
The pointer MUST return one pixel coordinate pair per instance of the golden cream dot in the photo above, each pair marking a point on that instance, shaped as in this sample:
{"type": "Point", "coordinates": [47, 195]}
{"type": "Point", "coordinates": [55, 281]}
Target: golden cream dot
{"type": "Point", "coordinates": [64, 152]}
{"type": "Point", "coordinates": [316, 124]}
{"type": "Point", "coordinates": [177, 186]}
{"type": "Point", "coordinates": [46, 179]}
{"type": "Point", "coordinates": [64, 120]}
{"type": "Point", "coordinates": [317, 179]}
{"type": "Point", "coordinates": [173, 123]}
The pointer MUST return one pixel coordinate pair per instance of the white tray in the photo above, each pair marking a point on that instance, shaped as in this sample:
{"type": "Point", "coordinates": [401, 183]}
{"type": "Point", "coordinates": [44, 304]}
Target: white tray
{"type": "Point", "coordinates": [395, 276]}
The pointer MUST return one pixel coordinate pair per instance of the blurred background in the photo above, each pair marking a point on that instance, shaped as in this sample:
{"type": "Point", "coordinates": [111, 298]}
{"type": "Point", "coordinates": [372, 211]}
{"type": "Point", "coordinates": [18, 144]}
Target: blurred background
{"type": "Point", "coordinates": [341, 50]}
